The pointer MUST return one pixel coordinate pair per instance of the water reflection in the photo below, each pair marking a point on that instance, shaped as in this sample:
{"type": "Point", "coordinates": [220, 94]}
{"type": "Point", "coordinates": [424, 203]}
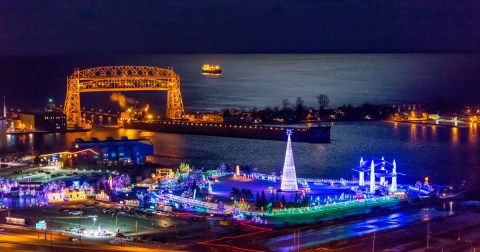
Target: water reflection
{"type": "Point", "coordinates": [413, 132]}
{"type": "Point", "coordinates": [472, 134]}
{"type": "Point", "coordinates": [455, 135]}
{"type": "Point", "coordinates": [430, 151]}
{"type": "Point", "coordinates": [424, 134]}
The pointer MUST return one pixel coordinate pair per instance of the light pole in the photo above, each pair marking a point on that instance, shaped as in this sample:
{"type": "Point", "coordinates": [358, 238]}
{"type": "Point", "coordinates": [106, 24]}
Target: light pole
{"type": "Point", "coordinates": [94, 220]}
{"type": "Point", "coordinates": [428, 235]}
{"type": "Point", "coordinates": [80, 229]}
{"type": "Point", "coordinates": [46, 228]}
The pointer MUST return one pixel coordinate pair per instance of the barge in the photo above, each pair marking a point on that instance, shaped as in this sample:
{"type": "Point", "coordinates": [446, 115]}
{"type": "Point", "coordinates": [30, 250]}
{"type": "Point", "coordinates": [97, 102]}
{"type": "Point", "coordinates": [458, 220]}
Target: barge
{"type": "Point", "coordinates": [317, 134]}
{"type": "Point", "coordinates": [211, 69]}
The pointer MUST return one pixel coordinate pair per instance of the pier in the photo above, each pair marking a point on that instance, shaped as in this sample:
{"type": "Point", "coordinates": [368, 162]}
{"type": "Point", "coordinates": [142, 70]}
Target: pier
{"type": "Point", "coordinates": [319, 134]}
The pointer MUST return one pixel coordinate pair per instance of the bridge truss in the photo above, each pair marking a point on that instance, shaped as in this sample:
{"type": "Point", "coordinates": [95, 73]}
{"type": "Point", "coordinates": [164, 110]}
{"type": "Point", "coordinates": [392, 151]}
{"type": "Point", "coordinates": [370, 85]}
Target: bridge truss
{"type": "Point", "coordinates": [121, 78]}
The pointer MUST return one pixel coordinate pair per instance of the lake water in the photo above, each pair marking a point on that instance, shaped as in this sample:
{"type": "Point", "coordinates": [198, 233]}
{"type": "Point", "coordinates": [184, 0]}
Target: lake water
{"type": "Point", "coordinates": [444, 154]}
{"type": "Point", "coordinates": [258, 80]}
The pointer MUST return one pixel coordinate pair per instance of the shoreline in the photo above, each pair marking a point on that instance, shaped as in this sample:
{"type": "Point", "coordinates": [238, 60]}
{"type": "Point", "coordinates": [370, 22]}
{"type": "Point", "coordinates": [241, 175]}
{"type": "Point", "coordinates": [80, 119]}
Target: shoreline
{"type": "Point", "coordinates": [48, 132]}
{"type": "Point", "coordinates": [460, 125]}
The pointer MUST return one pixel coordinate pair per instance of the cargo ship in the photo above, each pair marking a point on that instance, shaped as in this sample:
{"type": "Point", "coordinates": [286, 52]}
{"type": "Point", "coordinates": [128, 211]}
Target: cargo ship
{"type": "Point", "coordinates": [317, 134]}
{"type": "Point", "coordinates": [211, 69]}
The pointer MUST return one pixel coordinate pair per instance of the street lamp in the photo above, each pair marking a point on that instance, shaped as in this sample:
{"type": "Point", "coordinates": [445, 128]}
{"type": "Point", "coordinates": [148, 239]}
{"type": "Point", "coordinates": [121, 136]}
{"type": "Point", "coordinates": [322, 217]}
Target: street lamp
{"type": "Point", "coordinates": [80, 229]}
{"type": "Point", "coordinates": [94, 220]}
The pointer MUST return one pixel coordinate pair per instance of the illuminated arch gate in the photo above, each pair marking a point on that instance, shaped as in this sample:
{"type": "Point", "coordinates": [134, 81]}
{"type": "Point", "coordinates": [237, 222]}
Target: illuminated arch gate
{"type": "Point", "coordinates": [121, 78]}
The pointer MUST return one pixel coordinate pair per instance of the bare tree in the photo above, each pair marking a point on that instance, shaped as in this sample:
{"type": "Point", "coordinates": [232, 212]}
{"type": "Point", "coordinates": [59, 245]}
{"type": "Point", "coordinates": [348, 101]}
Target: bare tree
{"type": "Point", "coordinates": [323, 101]}
{"type": "Point", "coordinates": [285, 104]}
{"type": "Point", "coordinates": [299, 102]}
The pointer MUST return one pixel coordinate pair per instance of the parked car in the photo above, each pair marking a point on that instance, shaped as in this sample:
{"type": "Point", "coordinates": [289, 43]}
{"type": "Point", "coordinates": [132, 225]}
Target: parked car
{"type": "Point", "coordinates": [119, 235]}
{"type": "Point", "coordinates": [73, 239]}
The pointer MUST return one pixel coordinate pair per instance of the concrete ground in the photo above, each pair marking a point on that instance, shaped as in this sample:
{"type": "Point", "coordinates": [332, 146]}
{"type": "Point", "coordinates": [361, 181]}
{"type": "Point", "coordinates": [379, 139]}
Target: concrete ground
{"type": "Point", "coordinates": [455, 233]}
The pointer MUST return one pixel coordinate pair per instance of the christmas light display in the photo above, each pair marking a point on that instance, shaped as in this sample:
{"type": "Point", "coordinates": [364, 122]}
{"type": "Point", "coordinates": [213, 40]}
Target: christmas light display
{"type": "Point", "coordinates": [289, 177]}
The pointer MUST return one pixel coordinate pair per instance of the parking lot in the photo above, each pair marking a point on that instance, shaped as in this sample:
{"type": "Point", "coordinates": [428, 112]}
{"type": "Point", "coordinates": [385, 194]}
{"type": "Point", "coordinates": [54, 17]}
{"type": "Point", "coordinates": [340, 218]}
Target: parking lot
{"type": "Point", "coordinates": [46, 174]}
{"type": "Point", "coordinates": [88, 219]}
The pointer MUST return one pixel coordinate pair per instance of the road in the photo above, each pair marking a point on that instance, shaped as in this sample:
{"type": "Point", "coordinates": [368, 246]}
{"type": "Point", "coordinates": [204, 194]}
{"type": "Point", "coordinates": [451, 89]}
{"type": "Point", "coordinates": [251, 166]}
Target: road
{"type": "Point", "coordinates": [401, 230]}
{"type": "Point", "coordinates": [171, 232]}
{"type": "Point", "coordinates": [454, 233]}
{"type": "Point", "coordinates": [25, 241]}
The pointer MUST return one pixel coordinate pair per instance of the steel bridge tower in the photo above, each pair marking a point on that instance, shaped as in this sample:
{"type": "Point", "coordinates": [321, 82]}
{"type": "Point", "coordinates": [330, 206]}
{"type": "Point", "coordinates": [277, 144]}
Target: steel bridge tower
{"type": "Point", "coordinates": [121, 78]}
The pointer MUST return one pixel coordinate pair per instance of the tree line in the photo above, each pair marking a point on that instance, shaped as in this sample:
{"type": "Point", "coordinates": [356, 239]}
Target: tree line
{"type": "Point", "coordinates": [286, 112]}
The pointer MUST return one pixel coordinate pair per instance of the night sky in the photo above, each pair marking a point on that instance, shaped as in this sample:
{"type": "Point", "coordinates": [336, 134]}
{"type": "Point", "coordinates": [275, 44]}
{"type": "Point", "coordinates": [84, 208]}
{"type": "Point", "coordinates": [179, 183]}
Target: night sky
{"type": "Point", "coordinates": [245, 26]}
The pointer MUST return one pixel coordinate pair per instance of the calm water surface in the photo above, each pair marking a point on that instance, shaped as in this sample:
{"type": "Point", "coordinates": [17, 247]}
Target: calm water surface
{"type": "Point", "coordinates": [259, 80]}
{"type": "Point", "coordinates": [444, 154]}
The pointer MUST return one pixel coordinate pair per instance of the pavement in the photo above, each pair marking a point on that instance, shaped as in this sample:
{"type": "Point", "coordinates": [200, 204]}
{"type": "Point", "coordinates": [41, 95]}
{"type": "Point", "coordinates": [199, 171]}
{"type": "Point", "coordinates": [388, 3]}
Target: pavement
{"type": "Point", "coordinates": [154, 231]}
{"type": "Point", "coordinates": [25, 241]}
{"type": "Point", "coordinates": [39, 174]}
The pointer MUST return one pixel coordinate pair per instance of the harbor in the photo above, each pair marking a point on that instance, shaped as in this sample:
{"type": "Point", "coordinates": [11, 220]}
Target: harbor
{"type": "Point", "coordinates": [225, 197]}
{"type": "Point", "coordinates": [239, 126]}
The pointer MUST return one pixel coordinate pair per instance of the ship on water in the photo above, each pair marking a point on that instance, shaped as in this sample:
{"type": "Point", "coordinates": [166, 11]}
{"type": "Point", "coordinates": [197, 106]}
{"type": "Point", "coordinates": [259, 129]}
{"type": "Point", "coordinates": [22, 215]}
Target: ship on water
{"type": "Point", "coordinates": [211, 69]}
{"type": "Point", "coordinates": [316, 134]}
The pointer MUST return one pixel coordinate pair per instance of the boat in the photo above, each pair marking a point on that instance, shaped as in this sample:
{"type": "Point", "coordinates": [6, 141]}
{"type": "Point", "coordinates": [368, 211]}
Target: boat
{"type": "Point", "coordinates": [449, 193]}
{"type": "Point", "coordinates": [211, 69]}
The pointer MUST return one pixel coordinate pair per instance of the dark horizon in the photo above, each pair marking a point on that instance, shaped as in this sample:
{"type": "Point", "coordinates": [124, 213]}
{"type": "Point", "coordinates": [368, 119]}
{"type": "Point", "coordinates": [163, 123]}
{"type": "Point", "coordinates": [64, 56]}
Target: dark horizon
{"type": "Point", "coordinates": [211, 27]}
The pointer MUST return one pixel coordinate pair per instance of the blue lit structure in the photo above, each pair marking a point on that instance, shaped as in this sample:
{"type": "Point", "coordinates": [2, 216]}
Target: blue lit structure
{"type": "Point", "coordinates": [377, 168]}
{"type": "Point", "coordinates": [126, 150]}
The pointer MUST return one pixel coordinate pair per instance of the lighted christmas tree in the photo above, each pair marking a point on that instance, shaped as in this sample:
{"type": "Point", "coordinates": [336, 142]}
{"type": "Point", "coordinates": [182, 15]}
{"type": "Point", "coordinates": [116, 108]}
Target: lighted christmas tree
{"type": "Point", "coordinates": [289, 176]}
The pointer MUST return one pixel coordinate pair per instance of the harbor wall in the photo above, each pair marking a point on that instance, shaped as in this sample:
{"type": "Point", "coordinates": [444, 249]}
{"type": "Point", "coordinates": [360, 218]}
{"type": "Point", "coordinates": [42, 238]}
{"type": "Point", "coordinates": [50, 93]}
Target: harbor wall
{"type": "Point", "coordinates": [320, 134]}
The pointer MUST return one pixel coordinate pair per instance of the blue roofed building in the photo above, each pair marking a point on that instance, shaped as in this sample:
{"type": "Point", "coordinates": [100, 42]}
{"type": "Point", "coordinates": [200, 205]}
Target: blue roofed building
{"type": "Point", "coordinates": [121, 151]}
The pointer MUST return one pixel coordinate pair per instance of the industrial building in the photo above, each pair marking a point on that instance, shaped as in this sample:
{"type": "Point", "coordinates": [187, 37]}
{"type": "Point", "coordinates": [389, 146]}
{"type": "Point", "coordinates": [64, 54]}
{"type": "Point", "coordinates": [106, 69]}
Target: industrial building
{"type": "Point", "coordinates": [47, 121]}
{"type": "Point", "coordinates": [122, 151]}
{"type": "Point", "coordinates": [109, 152]}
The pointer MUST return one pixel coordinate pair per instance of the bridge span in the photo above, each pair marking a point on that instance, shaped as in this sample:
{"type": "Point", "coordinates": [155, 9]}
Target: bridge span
{"type": "Point", "coordinates": [121, 78]}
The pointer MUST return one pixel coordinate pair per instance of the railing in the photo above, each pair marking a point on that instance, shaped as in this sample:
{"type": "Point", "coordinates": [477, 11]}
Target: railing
{"type": "Point", "coordinates": [198, 203]}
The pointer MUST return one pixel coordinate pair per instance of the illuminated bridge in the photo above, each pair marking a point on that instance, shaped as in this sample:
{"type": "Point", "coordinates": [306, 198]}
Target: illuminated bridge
{"type": "Point", "coordinates": [121, 78]}
{"type": "Point", "coordinates": [106, 117]}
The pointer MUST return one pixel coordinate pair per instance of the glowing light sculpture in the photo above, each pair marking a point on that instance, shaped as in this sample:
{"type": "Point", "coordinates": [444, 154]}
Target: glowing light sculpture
{"type": "Point", "coordinates": [394, 176]}
{"type": "Point", "coordinates": [361, 174]}
{"type": "Point", "coordinates": [372, 177]}
{"type": "Point", "coordinates": [210, 191]}
{"type": "Point", "coordinates": [289, 176]}
{"type": "Point", "coordinates": [382, 178]}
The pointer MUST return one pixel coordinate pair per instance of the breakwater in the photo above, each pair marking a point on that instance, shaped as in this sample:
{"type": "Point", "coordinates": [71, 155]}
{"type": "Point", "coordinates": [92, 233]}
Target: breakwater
{"type": "Point", "coordinates": [318, 134]}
